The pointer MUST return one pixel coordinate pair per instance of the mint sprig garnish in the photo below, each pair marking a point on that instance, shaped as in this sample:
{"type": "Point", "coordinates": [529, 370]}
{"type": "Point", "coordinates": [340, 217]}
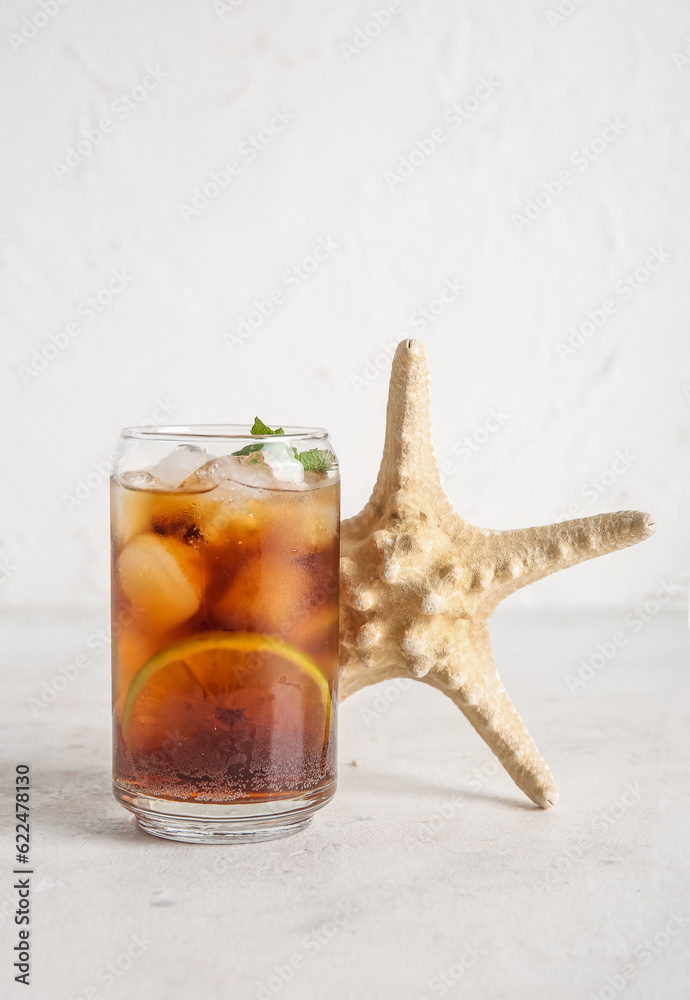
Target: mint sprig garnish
{"type": "Point", "coordinates": [248, 449]}
{"type": "Point", "coordinates": [314, 460]}
{"type": "Point", "coordinates": [259, 427]}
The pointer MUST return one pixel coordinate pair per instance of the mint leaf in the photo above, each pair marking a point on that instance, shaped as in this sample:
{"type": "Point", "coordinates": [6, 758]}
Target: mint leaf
{"type": "Point", "coordinates": [259, 427]}
{"type": "Point", "coordinates": [316, 460]}
{"type": "Point", "coordinates": [248, 449]}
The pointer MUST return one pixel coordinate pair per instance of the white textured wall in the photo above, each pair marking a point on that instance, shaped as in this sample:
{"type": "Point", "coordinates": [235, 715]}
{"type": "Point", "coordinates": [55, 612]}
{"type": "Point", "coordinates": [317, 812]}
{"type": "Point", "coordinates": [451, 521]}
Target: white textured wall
{"type": "Point", "coordinates": [528, 94]}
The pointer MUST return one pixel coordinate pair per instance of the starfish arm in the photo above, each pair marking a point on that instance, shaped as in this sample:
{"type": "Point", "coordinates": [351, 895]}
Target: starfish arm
{"type": "Point", "coordinates": [484, 701]}
{"type": "Point", "coordinates": [408, 452]}
{"type": "Point", "coordinates": [408, 465]}
{"type": "Point", "coordinates": [408, 449]}
{"type": "Point", "coordinates": [525, 555]}
{"type": "Point", "coordinates": [493, 716]}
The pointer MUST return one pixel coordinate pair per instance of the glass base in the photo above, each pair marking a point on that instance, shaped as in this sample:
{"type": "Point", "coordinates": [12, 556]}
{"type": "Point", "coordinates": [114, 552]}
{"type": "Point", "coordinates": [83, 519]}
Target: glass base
{"type": "Point", "coordinates": [236, 823]}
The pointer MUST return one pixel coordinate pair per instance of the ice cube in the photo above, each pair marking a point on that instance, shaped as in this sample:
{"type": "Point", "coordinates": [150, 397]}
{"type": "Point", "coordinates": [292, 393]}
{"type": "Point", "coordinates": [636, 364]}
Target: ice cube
{"type": "Point", "coordinates": [158, 576]}
{"type": "Point", "coordinates": [140, 480]}
{"type": "Point", "coordinates": [213, 472]}
{"type": "Point", "coordinates": [282, 462]}
{"type": "Point", "coordinates": [267, 594]}
{"type": "Point", "coordinates": [245, 470]}
{"type": "Point", "coordinates": [305, 522]}
{"type": "Point", "coordinates": [177, 466]}
{"type": "Point", "coordinates": [320, 480]}
{"type": "Point", "coordinates": [254, 474]}
{"type": "Point", "coordinates": [227, 515]}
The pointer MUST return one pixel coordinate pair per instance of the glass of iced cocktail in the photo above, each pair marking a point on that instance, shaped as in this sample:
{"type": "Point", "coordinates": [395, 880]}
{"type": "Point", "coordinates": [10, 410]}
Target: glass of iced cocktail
{"type": "Point", "coordinates": [225, 551]}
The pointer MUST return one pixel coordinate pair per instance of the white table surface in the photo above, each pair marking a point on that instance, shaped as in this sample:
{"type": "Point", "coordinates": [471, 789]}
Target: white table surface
{"type": "Point", "coordinates": [417, 865]}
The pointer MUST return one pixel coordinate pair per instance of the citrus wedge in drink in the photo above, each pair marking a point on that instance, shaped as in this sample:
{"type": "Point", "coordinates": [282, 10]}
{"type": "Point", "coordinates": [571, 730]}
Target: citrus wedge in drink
{"type": "Point", "coordinates": [218, 683]}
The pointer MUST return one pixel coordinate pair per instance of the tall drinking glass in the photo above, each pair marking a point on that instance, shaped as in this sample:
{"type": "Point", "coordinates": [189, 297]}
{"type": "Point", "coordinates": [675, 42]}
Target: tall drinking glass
{"type": "Point", "coordinates": [225, 552]}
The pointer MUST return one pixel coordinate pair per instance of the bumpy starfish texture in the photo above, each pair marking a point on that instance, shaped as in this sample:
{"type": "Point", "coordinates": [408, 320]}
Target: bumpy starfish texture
{"type": "Point", "coordinates": [419, 584]}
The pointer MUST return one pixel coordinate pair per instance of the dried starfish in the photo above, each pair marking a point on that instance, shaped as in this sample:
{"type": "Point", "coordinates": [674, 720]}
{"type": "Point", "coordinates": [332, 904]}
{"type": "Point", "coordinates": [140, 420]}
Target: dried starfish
{"type": "Point", "coordinates": [419, 584]}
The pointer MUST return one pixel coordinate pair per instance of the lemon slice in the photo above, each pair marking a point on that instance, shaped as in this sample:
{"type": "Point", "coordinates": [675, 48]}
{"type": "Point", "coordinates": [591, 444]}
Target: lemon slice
{"type": "Point", "coordinates": [194, 686]}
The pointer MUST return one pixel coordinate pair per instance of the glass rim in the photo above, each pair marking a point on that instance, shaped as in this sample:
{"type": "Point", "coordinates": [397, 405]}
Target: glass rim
{"type": "Point", "coordinates": [218, 432]}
